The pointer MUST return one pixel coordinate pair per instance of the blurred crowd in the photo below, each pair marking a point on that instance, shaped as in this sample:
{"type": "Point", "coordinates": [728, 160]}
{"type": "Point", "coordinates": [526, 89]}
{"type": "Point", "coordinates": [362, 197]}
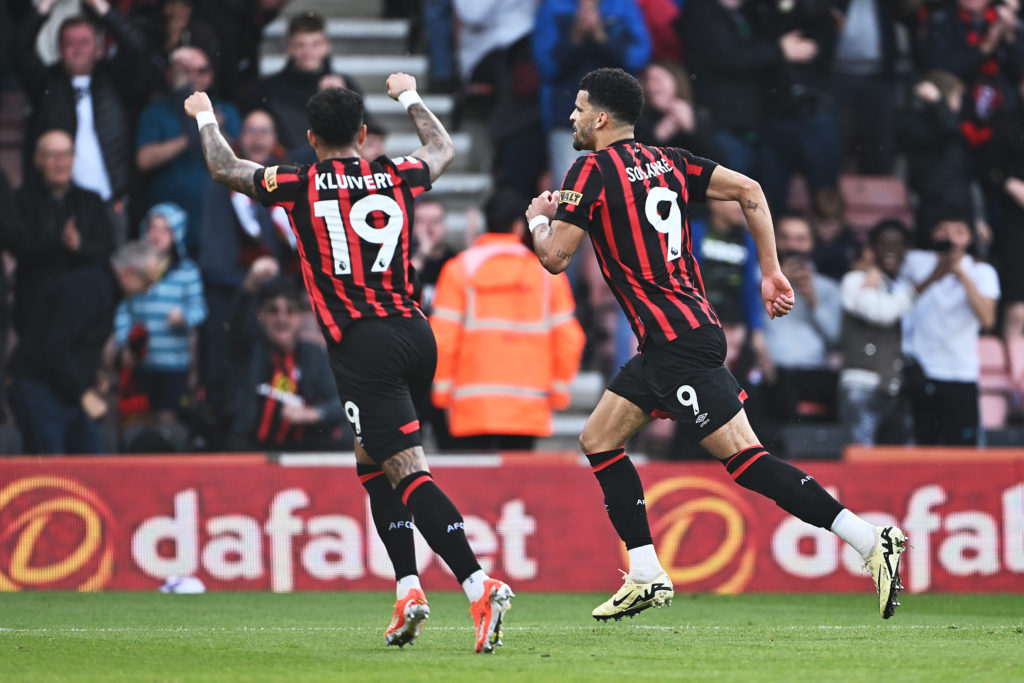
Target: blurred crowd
{"type": "Point", "coordinates": [216, 349]}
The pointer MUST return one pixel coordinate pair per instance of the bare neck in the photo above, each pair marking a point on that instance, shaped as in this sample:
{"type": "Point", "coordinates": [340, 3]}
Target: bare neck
{"type": "Point", "coordinates": [338, 152]}
{"type": "Point", "coordinates": [603, 138]}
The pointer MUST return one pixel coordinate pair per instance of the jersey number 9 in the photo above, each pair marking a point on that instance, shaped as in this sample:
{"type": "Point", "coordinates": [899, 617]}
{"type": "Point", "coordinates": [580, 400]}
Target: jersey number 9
{"type": "Point", "coordinates": [671, 225]}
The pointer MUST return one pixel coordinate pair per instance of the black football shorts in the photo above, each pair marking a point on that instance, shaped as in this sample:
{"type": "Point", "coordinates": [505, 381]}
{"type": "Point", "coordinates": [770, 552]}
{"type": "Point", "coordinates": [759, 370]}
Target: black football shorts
{"type": "Point", "coordinates": [384, 368]}
{"type": "Point", "coordinates": [684, 379]}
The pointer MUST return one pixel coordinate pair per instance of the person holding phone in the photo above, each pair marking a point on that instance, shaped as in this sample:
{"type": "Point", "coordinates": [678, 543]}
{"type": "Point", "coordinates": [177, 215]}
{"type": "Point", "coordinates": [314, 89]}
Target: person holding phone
{"type": "Point", "coordinates": [956, 299]}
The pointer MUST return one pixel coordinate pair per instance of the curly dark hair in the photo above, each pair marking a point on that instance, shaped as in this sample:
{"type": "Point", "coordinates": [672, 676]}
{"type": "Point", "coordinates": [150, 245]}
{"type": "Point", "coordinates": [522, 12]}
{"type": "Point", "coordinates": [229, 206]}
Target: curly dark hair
{"type": "Point", "coordinates": [335, 115]}
{"type": "Point", "coordinates": [615, 91]}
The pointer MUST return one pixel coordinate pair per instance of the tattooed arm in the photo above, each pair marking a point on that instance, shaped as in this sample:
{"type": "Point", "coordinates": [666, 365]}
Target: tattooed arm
{"type": "Point", "coordinates": [555, 243]}
{"type": "Point", "coordinates": [732, 186]}
{"type": "Point", "coordinates": [226, 168]}
{"type": "Point", "coordinates": [438, 150]}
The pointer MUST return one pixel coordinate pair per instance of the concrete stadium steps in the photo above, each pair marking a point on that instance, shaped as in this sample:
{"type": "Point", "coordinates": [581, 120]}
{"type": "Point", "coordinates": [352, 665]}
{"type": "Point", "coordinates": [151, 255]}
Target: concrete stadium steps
{"type": "Point", "coordinates": [369, 49]}
{"type": "Point", "coordinates": [365, 9]}
{"type": "Point", "coordinates": [348, 36]}
{"type": "Point", "coordinates": [392, 115]}
{"type": "Point", "coordinates": [460, 191]}
{"type": "Point", "coordinates": [398, 144]}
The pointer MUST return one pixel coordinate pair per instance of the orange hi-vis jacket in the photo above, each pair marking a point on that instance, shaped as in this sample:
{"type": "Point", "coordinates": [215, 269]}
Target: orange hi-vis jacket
{"type": "Point", "coordinates": [508, 343]}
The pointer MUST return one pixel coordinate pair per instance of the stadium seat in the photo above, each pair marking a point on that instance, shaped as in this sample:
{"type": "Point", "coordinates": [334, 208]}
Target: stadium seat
{"type": "Point", "coordinates": [995, 385]}
{"type": "Point", "coordinates": [994, 409]}
{"type": "Point", "coordinates": [995, 368]}
{"type": "Point", "coordinates": [868, 199]}
{"type": "Point", "coordinates": [1015, 351]}
{"type": "Point", "coordinates": [821, 441]}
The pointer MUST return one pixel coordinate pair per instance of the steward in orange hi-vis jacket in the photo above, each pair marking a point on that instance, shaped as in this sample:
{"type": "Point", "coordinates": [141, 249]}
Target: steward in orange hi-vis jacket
{"type": "Point", "coordinates": [508, 343]}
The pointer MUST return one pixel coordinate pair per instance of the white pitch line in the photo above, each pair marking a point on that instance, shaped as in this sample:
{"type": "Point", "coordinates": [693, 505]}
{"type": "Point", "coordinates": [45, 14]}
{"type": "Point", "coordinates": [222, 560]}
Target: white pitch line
{"type": "Point", "coordinates": [527, 627]}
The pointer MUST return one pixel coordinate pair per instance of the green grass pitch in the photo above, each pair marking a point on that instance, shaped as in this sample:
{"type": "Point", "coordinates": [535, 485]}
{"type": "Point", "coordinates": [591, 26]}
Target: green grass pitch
{"type": "Point", "coordinates": [548, 637]}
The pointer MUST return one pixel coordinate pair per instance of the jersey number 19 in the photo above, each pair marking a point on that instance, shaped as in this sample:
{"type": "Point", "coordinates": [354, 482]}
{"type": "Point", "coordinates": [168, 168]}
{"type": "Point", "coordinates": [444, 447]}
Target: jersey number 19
{"type": "Point", "coordinates": [387, 237]}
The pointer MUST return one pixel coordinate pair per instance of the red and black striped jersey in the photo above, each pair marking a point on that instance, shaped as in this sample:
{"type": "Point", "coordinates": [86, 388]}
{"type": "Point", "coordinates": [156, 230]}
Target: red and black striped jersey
{"type": "Point", "coordinates": [633, 199]}
{"type": "Point", "coordinates": [352, 220]}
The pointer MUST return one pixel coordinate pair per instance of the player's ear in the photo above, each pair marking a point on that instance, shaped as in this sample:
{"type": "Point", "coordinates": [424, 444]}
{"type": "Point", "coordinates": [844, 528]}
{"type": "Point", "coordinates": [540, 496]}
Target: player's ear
{"type": "Point", "coordinates": [362, 135]}
{"type": "Point", "coordinates": [311, 138]}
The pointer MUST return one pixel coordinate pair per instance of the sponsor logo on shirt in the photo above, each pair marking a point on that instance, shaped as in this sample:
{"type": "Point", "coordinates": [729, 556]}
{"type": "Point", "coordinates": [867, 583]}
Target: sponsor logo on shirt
{"type": "Point", "coordinates": [570, 197]}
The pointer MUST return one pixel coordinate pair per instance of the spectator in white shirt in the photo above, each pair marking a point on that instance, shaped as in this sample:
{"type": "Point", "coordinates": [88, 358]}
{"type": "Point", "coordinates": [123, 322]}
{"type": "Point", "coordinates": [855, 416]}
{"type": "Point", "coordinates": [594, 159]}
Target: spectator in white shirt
{"type": "Point", "coordinates": [957, 297]}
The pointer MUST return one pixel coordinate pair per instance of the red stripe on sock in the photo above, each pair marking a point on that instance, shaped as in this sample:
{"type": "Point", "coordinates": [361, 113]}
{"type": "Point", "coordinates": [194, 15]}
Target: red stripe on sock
{"type": "Point", "coordinates": [744, 466]}
{"type": "Point", "coordinates": [606, 463]}
{"type": "Point", "coordinates": [410, 428]}
{"type": "Point", "coordinates": [412, 487]}
{"type": "Point", "coordinates": [735, 455]}
{"type": "Point", "coordinates": [363, 478]}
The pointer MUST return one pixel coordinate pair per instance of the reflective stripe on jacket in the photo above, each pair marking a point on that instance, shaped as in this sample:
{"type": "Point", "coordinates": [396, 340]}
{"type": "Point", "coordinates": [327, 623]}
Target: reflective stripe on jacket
{"type": "Point", "coordinates": [508, 342]}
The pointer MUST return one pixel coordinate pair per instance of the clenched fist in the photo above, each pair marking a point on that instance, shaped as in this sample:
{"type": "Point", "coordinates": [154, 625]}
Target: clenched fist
{"type": "Point", "coordinates": [398, 83]}
{"type": "Point", "coordinates": [197, 102]}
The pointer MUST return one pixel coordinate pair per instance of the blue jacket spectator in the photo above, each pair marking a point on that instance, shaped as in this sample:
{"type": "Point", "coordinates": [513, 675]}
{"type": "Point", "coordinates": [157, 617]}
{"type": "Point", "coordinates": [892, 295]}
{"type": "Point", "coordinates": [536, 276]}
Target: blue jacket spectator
{"type": "Point", "coordinates": [168, 312]}
{"type": "Point", "coordinates": [169, 147]}
{"type": "Point", "coordinates": [572, 38]}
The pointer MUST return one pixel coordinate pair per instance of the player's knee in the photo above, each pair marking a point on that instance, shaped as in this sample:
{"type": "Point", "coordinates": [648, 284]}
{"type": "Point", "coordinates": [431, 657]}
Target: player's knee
{"type": "Point", "coordinates": [591, 442]}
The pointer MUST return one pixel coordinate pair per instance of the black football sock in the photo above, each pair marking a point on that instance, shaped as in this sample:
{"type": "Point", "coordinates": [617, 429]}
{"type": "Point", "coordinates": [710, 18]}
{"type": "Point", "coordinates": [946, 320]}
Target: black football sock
{"type": "Point", "coordinates": [792, 490]}
{"type": "Point", "coordinates": [439, 521]}
{"type": "Point", "coordinates": [623, 496]}
{"type": "Point", "coordinates": [392, 519]}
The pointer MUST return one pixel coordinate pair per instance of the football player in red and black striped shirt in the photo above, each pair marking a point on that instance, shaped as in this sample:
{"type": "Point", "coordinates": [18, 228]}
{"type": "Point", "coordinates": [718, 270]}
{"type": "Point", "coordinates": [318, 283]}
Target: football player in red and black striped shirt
{"type": "Point", "coordinates": [352, 218]}
{"type": "Point", "coordinates": [632, 199]}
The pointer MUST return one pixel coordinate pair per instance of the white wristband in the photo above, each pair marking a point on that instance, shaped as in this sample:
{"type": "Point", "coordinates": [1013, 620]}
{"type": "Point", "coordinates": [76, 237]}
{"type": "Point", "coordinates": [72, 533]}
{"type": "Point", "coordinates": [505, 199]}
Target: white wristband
{"type": "Point", "coordinates": [409, 98]}
{"type": "Point", "coordinates": [205, 118]}
{"type": "Point", "coordinates": [538, 221]}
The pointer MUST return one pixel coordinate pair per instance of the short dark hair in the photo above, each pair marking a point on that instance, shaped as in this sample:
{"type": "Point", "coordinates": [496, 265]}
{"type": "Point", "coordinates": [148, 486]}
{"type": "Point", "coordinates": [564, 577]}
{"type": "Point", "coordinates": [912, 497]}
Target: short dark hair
{"type": "Point", "coordinates": [888, 225]}
{"type": "Point", "coordinates": [75, 20]}
{"type": "Point", "coordinates": [335, 115]}
{"type": "Point", "coordinates": [307, 22]}
{"type": "Point", "coordinates": [281, 286]}
{"type": "Point", "coordinates": [955, 213]}
{"type": "Point", "coordinates": [503, 209]}
{"type": "Point", "coordinates": [374, 127]}
{"type": "Point", "coordinates": [615, 91]}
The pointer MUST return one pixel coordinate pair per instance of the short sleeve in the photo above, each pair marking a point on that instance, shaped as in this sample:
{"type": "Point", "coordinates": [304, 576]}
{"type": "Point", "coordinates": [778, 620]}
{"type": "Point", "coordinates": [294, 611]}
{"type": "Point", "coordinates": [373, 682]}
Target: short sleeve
{"type": "Point", "coordinates": [582, 192]}
{"type": "Point", "coordinates": [698, 174]}
{"type": "Point", "coordinates": [278, 184]}
{"type": "Point", "coordinates": [986, 279]}
{"type": "Point", "coordinates": [415, 173]}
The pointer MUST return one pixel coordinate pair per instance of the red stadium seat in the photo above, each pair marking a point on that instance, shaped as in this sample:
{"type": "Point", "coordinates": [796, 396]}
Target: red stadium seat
{"type": "Point", "coordinates": [995, 368]}
{"type": "Point", "coordinates": [994, 410]}
{"type": "Point", "coordinates": [868, 199]}
{"type": "Point", "coordinates": [995, 385]}
{"type": "Point", "coordinates": [1015, 351]}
